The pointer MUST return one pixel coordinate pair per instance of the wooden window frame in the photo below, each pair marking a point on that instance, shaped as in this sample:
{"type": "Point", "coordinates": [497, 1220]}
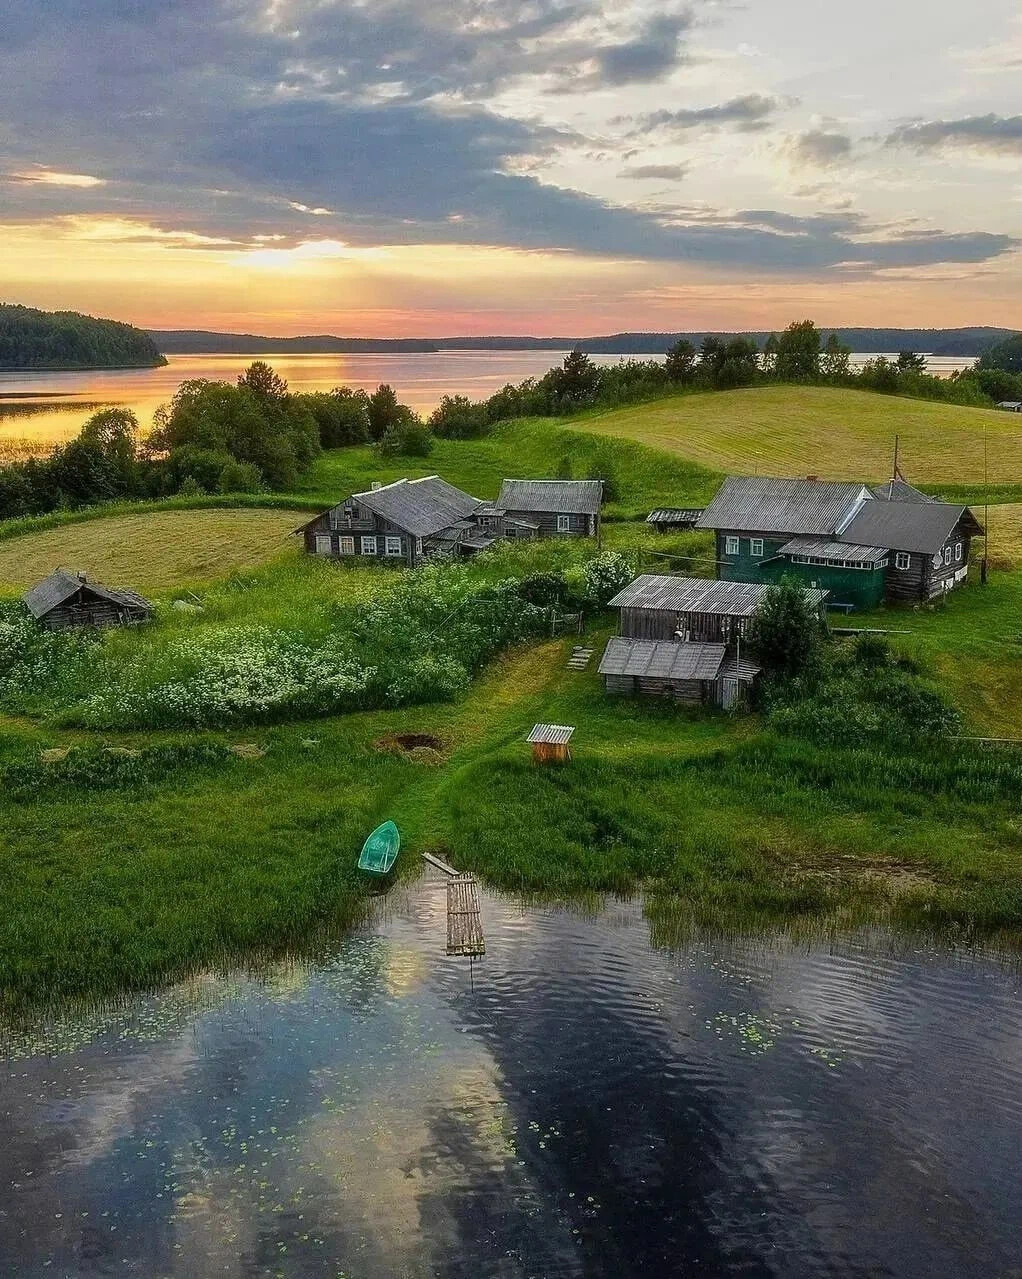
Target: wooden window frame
{"type": "Point", "coordinates": [947, 556]}
{"type": "Point", "coordinates": [564, 523]}
{"type": "Point", "coordinates": [387, 541]}
{"type": "Point", "coordinates": [732, 545]}
{"type": "Point", "coordinates": [753, 543]}
{"type": "Point", "coordinates": [324, 537]}
{"type": "Point", "coordinates": [368, 537]}
{"type": "Point", "coordinates": [959, 550]}
{"type": "Point", "coordinates": [902, 561]}
{"type": "Point", "coordinates": [346, 545]}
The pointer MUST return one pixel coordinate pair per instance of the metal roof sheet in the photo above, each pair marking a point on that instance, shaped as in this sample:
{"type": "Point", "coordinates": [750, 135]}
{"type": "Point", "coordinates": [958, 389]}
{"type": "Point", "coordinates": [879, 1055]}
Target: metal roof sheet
{"type": "Point", "coordinates": [551, 734]}
{"type": "Point", "coordinates": [674, 515]}
{"type": "Point", "coordinates": [662, 659]}
{"type": "Point", "coordinates": [896, 490]}
{"type": "Point", "coordinates": [923, 527]}
{"type": "Point", "coordinates": [829, 549]}
{"type": "Point", "coordinates": [421, 507]}
{"type": "Point", "coordinates": [740, 668]}
{"type": "Point", "coordinates": [764, 504]}
{"type": "Point", "coordinates": [698, 595]}
{"type": "Point", "coordinates": [566, 497]}
{"type": "Point", "coordinates": [61, 585]}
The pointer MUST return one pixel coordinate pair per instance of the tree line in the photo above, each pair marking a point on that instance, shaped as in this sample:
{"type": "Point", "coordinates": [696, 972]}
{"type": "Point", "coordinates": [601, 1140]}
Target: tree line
{"type": "Point", "coordinates": [31, 339]}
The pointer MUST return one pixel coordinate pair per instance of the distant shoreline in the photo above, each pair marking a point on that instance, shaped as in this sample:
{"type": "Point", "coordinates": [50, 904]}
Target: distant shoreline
{"type": "Point", "coordinates": [78, 368]}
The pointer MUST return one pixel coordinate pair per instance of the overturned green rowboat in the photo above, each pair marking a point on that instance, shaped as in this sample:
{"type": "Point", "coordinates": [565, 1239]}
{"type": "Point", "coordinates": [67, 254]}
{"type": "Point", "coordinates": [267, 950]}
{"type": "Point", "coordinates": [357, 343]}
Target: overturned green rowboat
{"type": "Point", "coordinates": [379, 852]}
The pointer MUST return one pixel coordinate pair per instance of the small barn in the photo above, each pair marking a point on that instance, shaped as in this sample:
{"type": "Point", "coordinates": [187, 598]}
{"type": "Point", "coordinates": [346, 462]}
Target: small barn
{"type": "Point", "coordinates": [550, 743]}
{"type": "Point", "coordinates": [690, 673]}
{"type": "Point", "coordinates": [555, 508]}
{"type": "Point", "coordinates": [674, 519]}
{"type": "Point", "coordinates": [692, 609]}
{"type": "Point", "coordinates": [65, 599]}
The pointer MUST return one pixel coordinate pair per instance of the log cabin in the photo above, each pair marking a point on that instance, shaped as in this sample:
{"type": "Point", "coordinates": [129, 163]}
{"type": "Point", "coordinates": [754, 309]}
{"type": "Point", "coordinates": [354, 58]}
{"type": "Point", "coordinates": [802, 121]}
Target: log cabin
{"type": "Point", "coordinates": [863, 546]}
{"type": "Point", "coordinates": [406, 522]}
{"type": "Point", "coordinates": [691, 673]}
{"type": "Point", "coordinates": [65, 600]}
{"type": "Point", "coordinates": [553, 508]}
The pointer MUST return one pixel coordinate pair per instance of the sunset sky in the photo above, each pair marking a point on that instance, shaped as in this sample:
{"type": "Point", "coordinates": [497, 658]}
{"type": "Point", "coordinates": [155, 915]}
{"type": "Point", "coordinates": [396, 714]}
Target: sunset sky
{"type": "Point", "coordinates": [396, 167]}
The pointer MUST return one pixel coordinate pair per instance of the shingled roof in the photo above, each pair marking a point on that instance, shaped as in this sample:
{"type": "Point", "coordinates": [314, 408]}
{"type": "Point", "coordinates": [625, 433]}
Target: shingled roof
{"type": "Point", "coordinates": [61, 585]}
{"type": "Point", "coordinates": [564, 497]}
{"type": "Point", "coordinates": [764, 504]}
{"type": "Point", "coordinates": [421, 507]}
{"type": "Point", "coordinates": [698, 595]}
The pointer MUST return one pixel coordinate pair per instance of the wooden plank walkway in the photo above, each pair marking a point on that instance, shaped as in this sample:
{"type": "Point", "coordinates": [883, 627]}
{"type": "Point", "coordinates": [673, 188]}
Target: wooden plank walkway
{"type": "Point", "coordinates": [464, 927]}
{"type": "Point", "coordinates": [439, 864]}
{"type": "Point", "coordinates": [579, 658]}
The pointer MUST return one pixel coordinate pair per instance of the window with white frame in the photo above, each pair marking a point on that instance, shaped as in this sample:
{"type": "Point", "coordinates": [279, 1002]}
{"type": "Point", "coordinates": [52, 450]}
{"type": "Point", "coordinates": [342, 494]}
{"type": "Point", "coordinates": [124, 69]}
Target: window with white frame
{"type": "Point", "coordinates": [346, 545]}
{"type": "Point", "coordinates": [947, 555]}
{"type": "Point", "coordinates": [564, 523]}
{"type": "Point", "coordinates": [368, 545]}
{"type": "Point", "coordinates": [731, 545]}
{"type": "Point", "coordinates": [392, 546]}
{"type": "Point", "coordinates": [323, 545]}
{"type": "Point", "coordinates": [756, 547]}
{"type": "Point", "coordinates": [902, 561]}
{"type": "Point", "coordinates": [958, 552]}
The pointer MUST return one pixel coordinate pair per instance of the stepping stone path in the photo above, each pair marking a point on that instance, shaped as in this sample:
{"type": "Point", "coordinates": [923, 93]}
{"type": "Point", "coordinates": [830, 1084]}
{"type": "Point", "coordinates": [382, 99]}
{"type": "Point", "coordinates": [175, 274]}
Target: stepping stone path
{"type": "Point", "coordinates": [579, 658]}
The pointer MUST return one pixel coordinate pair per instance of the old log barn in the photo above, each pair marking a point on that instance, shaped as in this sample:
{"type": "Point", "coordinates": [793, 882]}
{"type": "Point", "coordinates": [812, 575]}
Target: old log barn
{"type": "Point", "coordinates": [555, 508]}
{"type": "Point", "coordinates": [692, 609]}
{"type": "Point", "coordinates": [698, 674]}
{"type": "Point", "coordinates": [861, 545]}
{"type": "Point", "coordinates": [65, 599]}
{"type": "Point", "coordinates": [405, 523]}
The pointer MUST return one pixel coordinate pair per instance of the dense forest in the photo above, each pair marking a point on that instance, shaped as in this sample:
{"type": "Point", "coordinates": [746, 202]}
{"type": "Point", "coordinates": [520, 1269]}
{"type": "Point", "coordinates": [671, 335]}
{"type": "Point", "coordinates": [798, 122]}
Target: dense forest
{"type": "Point", "coordinates": [958, 342]}
{"type": "Point", "coordinates": [31, 339]}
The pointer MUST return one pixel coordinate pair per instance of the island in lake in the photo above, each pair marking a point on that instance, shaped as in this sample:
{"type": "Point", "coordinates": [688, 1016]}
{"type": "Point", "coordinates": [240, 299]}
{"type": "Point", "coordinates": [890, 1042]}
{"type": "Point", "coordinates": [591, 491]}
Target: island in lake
{"type": "Point", "coordinates": [32, 339]}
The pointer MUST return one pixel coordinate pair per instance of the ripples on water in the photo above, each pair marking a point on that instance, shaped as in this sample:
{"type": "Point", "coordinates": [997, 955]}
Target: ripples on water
{"type": "Point", "coordinates": [574, 1104]}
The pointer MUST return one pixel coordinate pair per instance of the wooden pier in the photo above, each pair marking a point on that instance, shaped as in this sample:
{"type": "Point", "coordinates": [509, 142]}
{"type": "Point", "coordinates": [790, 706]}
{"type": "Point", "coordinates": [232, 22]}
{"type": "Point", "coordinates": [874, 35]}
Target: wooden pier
{"type": "Point", "coordinates": [464, 927]}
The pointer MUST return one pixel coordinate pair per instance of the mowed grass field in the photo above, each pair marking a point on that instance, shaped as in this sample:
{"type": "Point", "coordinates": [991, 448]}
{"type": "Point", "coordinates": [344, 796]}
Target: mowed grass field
{"type": "Point", "coordinates": [153, 550]}
{"type": "Point", "coordinates": [831, 432]}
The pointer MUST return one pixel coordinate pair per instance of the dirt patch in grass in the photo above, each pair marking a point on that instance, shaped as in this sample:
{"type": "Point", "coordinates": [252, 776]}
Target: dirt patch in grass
{"type": "Point", "coordinates": [422, 748]}
{"type": "Point", "coordinates": [896, 874]}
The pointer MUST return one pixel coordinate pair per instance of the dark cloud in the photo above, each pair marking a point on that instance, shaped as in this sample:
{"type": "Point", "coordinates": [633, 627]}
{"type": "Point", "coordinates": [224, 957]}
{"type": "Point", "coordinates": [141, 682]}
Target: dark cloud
{"type": "Point", "coordinates": [653, 54]}
{"type": "Point", "coordinates": [819, 148]}
{"type": "Point", "coordinates": [666, 172]}
{"type": "Point", "coordinates": [1002, 134]}
{"type": "Point", "coordinates": [747, 113]}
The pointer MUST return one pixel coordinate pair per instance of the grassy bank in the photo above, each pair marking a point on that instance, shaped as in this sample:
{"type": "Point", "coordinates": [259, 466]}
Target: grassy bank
{"type": "Point", "coordinates": [832, 432]}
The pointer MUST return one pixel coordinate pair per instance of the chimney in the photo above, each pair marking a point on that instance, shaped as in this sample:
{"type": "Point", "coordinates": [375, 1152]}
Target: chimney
{"type": "Point", "coordinates": [82, 576]}
{"type": "Point", "coordinates": [812, 477]}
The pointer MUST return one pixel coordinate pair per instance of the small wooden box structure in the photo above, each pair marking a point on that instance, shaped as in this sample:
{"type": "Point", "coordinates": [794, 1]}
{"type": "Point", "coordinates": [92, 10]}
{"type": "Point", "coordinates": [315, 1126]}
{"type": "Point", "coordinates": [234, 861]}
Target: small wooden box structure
{"type": "Point", "coordinates": [464, 928]}
{"type": "Point", "coordinates": [550, 743]}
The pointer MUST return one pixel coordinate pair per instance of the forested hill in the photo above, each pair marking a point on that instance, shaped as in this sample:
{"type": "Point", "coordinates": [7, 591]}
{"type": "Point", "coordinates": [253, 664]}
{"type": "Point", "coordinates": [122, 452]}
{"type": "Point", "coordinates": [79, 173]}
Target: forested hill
{"type": "Point", "coordinates": [960, 342]}
{"type": "Point", "coordinates": [31, 339]}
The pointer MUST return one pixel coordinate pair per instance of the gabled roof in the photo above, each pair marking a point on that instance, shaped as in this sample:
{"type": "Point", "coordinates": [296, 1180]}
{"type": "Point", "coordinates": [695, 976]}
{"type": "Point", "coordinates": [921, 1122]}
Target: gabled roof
{"type": "Point", "coordinates": [564, 497]}
{"type": "Point", "coordinates": [551, 734]}
{"type": "Point", "coordinates": [698, 595]}
{"type": "Point", "coordinates": [61, 585]}
{"type": "Point", "coordinates": [674, 515]}
{"type": "Point", "coordinates": [421, 507]}
{"type": "Point", "coordinates": [922, 527]}
{"type": "Point", "coordinates": [662, 659]}
{"type": "Point", "coordinates": [897, 490]}
{"type": "Point", "coordinates": [764, 504]}
{"type": "Point", "coordinates": [826, 548]}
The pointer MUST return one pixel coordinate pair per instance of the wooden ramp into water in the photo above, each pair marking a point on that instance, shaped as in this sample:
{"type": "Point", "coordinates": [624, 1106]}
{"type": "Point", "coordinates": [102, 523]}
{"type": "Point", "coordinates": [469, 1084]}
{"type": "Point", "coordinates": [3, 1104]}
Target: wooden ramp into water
{"type": "Point", "coordinates": [464, 927]}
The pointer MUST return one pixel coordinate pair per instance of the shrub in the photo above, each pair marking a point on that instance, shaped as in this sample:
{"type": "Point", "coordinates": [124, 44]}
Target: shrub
{"type": "Point", "coordinates": [240, 477]}
{"type": "Point", "coordinates": [407, 438]}
{"type": "Point", "coordinates": [604, 575]}
{"type": "Point", "coordinates": [786, 632]}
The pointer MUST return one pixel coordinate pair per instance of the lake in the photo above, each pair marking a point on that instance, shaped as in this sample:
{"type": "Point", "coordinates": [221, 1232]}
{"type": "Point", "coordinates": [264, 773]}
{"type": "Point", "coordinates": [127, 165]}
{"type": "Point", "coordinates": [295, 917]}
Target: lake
{"type": "Point", "coordinates": [580, 1102]}
{"type": "Point", "coordinates": [38, 410]}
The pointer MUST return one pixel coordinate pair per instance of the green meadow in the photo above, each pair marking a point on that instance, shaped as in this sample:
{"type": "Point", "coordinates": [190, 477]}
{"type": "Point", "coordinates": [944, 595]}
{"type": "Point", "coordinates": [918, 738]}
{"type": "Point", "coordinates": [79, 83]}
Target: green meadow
{"type": "Point", "coordinates": [134, 854]}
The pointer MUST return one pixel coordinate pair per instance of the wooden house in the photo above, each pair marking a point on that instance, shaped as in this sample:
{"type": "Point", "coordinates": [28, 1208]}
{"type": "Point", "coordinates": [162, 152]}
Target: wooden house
{"type": "Point", "coordinates": [65, 599]}
{"type": "Point", "coordinates": [692, 609]}
{"type": "Point", "coordinates": [552, 508]}
{"type": "Point", "coordinates": [550, 743]}
{"type": "Point", "coordinates": [860, 545]}
{"type": "Point", "coordinates": [693, 673]}
{"type": "Point", "coordinates": [405, 523]}
{"type": "Point", "coordinates": [674, 519]}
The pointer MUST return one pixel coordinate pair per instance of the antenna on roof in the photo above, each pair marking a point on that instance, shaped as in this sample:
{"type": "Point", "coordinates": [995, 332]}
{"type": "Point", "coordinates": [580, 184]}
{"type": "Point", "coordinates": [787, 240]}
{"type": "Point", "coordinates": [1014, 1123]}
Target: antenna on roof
{"type": "Point", "coordinates": [896, 473]}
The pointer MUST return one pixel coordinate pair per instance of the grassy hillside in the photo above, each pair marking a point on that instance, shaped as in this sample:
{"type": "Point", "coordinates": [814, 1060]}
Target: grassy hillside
{"type": "Point", "coordinates": [152, 550]}
{"type": "Point", "coordinates": [827, 431]}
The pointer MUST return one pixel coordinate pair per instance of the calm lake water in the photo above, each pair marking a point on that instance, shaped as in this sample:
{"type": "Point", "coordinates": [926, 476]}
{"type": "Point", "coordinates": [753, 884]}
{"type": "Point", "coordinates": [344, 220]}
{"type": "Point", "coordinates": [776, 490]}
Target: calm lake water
{"type": "Point", "coordinates": [579, 1103]}
{"type": "Point", "coordinates": [42, 409]}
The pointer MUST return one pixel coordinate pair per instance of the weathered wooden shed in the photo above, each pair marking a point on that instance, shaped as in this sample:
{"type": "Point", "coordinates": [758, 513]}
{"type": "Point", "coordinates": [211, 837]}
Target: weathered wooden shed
{"type": "Point", "coordinates": [65, 599]}
{"type": "Point", "coordinates": [550, 743]}
{"type": "Point", "coordinates": [662, 668]}
{"type": "Point", "coordinates": [674, 519]}
{"type": "Point", "coordinates": [692, 608]}
{"type": "Point", "coordinates": [555, 508]}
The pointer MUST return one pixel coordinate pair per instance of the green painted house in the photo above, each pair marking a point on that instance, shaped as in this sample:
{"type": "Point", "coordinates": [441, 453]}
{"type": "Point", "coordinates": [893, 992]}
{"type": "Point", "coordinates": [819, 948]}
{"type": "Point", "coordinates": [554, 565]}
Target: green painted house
{"type": "Point", "coordinates": [861, 545]}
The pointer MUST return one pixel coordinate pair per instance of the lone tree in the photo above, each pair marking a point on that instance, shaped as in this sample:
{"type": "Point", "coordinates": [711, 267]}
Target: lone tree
{"type": "Point", "coordinates": [911, 362]}
{"type": "Point", "coordinates": [786, 632]}
{"type": "Point", "coordinates": [798, 352]}
{"type": "Point", "coordinates": [681, 362]}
